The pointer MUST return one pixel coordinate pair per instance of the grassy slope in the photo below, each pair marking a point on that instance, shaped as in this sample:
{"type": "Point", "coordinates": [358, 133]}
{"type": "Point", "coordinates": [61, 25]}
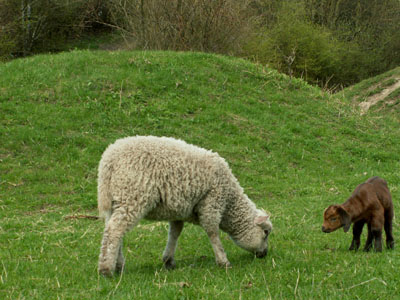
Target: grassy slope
{"type": "Point", "coordinates": [294, 149]}
{"type": "Point", "coordinates": [370, 87]}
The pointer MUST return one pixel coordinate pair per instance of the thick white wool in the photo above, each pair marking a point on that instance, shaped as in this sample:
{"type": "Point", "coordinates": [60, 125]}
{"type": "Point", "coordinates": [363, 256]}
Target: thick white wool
{"type": "Point", "coordinates": [162, 178]}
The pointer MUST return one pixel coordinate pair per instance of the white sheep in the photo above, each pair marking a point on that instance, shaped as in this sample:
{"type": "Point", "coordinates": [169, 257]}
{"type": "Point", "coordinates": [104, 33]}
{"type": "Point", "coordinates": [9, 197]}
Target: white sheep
{"type": "Point", "coordinates": [160, 178]}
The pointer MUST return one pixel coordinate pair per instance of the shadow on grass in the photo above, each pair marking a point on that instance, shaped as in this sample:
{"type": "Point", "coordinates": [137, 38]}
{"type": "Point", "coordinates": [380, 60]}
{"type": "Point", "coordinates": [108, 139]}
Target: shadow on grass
{"type": "Point", "coordinates": [195, 263]}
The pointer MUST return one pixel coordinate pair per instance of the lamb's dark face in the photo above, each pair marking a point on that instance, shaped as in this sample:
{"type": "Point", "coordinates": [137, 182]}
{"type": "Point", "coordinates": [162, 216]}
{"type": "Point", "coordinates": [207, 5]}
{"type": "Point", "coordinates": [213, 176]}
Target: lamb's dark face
{"type": "Point", "coordinates": [332, 219]}
{"type": "Point", "coordinates": [255, 239]}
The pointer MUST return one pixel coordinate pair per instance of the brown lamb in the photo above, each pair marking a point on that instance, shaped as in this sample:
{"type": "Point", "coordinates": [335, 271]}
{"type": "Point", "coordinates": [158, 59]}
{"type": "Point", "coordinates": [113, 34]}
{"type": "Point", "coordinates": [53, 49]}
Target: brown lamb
{"type": "Point", "coordinates": [370, 203]}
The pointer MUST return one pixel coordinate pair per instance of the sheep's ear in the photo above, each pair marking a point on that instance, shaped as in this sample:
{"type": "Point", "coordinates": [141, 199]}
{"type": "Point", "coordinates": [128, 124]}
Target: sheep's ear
{"type": "Point", "coordinates": [346, 220]}
{"type": "Point", "coordinates": [261, 219]}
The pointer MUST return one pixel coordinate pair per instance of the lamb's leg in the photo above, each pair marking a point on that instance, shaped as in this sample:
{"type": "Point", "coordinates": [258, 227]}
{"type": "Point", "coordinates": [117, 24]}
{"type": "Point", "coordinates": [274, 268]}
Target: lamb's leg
{"type": "Point", "coordinates": [377, 223]}
{"type": "Point", "coordinates": [388, 229]}
{"type": "Point", "coordinates": [357, 230]}
{"type": "Point", "coordinates": [175, 229]}
{"type": "Point", "coordinates": [115, 229]}
{"type": "Point", "coordinates": [377, 234]}
{"type": "Point", "coordinates": [368, 243]}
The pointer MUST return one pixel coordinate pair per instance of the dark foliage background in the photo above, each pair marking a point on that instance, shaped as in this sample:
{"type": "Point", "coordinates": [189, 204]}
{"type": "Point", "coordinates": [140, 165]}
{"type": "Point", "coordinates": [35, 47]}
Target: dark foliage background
{"type": "Point", "coordinates": [332, 43]}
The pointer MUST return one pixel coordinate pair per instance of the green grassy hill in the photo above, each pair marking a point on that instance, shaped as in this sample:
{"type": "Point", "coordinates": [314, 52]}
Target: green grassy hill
{"type": "Point", "coordinates": [294, 149]}
{"type": "Point", "coordinates": [380, 93]}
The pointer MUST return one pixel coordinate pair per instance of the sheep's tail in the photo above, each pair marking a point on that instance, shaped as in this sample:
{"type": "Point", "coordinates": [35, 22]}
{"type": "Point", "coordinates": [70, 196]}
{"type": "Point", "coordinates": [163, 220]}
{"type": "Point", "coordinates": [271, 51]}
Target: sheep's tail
{"type": "Point", "coordinates": [104, 197]}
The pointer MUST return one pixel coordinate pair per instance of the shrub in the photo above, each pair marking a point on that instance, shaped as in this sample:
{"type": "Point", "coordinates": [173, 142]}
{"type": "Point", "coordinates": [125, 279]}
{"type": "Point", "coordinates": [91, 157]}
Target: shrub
{"type": "Point", "coordinates": [202, 25]}
{"type": "Point", "coordinates": [298, 47]}
{"type": "Point", "coordinates": [295, 47]}
{"type": "Point", "coordinates": [370, 24]}
{"type": "Point", "coordinates": [29, 26]}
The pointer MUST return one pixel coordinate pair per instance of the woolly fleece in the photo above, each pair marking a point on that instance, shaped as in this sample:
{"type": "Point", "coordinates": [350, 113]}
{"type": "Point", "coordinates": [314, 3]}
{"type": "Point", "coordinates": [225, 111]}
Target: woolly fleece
{"type": "Point", "coordinates": [160, 178]}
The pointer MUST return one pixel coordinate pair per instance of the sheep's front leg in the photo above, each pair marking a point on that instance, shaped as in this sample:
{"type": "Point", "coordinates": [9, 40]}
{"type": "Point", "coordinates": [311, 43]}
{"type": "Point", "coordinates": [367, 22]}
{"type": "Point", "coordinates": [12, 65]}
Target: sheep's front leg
{"type": "Point", "coordinates": [209, 215]}
{"type": "Point", "coordinates": [220, 255]}
{"type": "Point", "coordinates": [120, 259]}
{"type": "Point", "coordinates": [175, 229]}
{"type": "Point", "coordinates": [110, 251]}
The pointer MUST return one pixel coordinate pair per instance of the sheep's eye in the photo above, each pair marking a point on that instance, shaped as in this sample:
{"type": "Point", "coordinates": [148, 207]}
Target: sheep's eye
{"type": "Point", "coordinates": [333, 219]}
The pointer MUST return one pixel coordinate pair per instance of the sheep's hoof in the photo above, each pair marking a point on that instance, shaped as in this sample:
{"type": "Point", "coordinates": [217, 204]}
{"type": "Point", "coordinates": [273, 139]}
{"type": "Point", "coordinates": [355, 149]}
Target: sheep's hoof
{"type": "Point", "coordinates": [226, 265]}
{"type": "Point", "coordinates": [169, 263]}
{"type": "Point", "coordinates": [106, 272]}
{"type": "Point", "coordinates": [119, 267]}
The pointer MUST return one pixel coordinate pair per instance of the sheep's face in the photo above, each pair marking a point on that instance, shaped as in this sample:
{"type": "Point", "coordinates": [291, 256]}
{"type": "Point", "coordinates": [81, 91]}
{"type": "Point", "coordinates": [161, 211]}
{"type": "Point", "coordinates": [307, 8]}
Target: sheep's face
{"type": "Point", "coordinates": [255, 238]}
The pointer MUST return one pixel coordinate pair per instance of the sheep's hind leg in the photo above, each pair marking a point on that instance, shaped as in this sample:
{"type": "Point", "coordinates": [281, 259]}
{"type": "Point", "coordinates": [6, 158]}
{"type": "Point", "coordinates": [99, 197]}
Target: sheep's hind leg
{"type": "Point", "coordinates": [175, 229]}
{"type": "Point", "coordinates": [120, 258]}
{"type": "Point", "coordinates": [115, 229]}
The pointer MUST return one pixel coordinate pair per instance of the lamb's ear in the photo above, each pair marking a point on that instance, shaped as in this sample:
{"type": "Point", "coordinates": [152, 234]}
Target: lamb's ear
{"type": "Point", "coordinates": [346, 220]}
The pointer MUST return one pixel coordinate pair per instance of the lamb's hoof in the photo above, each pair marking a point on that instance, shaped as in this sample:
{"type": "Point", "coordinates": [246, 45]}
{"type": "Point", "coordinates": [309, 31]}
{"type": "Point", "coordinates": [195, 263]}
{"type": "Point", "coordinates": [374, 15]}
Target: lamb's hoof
{"type": "Point", "coordinates": [169, 263]}
{"type": "Point", "coordinates": [367, 248]}
{"type": "Point", "coordinates": [390, 245]}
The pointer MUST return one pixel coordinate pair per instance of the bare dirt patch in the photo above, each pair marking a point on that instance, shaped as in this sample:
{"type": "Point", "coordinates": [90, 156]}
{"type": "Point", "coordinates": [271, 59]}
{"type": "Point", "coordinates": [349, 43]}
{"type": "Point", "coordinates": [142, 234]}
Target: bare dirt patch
{"type": "Point", "coordinates": [374, 99]}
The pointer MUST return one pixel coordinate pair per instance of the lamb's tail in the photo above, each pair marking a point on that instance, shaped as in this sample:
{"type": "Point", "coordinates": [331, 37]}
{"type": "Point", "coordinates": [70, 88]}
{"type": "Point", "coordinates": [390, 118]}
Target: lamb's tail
{"type": "Point", "coordinates": [104, 197]}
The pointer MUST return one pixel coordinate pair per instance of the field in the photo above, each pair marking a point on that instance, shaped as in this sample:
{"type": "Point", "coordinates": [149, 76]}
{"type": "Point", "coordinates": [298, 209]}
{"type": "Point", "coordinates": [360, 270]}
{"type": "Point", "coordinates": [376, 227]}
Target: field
{"type": "Point", "coordinates": [294, 148]}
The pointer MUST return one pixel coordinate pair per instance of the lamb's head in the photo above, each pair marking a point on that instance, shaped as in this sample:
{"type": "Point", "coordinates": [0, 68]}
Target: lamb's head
{"type": "Point", "coordinates": [255, 237]}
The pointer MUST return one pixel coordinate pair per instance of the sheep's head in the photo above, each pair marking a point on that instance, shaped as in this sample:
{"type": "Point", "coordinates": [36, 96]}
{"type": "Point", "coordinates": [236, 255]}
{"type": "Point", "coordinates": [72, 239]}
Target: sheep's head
{"type": "Point", "coordinates": [255, 238]}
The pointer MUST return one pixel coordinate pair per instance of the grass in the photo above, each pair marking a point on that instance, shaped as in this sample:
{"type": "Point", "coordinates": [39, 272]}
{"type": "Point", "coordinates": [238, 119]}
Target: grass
{"type": "Point", "coordinates": [373, 85]}
{"type": "Point", "coordinates": [294, 149]}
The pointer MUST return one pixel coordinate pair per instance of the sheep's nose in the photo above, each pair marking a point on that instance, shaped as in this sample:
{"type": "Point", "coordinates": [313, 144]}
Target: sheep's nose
{"type": "Point", "coordinates": [261, 254]}
{"type": "Point", "coordinates": [323, 229]}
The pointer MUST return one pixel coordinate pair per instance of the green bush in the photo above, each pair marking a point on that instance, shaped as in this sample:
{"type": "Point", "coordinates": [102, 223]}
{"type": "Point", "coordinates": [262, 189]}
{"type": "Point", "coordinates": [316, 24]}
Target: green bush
{"type": "Point", "coordinates": [8, 26]}
{"type": "Point", "coordinates": [29, 26]}
{"type": "Point", "coordinates": [7, 45]}
{"type": "Point", "coordinates": [298, 47]}
{"type": "Point", "coordinates": [295, 47]}
{"type": "Point", "coordinates": [372, 25]}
